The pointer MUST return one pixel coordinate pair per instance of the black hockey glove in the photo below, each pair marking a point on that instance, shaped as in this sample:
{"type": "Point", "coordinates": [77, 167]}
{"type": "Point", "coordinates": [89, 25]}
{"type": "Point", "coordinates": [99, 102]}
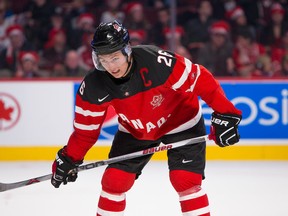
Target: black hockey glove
{"type": "Point", "coordinates": [61, 169]}
{"type": "Point", "coordinates": [224, 129]}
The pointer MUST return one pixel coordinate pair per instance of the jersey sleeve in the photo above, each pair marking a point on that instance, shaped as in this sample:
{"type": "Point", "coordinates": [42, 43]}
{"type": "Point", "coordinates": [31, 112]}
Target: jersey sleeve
{"type": "Point", "coordinates": [209, 89]}
{"type": "Point", "coordinates": [197, 79]}
{"type": "Point", "coordinates": [88, 120]}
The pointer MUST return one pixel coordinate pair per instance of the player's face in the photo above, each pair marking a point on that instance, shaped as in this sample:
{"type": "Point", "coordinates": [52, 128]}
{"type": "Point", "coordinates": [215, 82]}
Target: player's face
{"type": "Point", "coordinates": [115, 63]}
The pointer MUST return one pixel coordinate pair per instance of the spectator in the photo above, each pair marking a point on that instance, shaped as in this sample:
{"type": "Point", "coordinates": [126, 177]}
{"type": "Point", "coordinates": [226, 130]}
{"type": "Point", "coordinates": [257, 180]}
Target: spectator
{"type": "Point", "coordinates": [181, 50]}
{"type": "Point", "coordinates": [85, 23]}
{"type": "Point", "coordinates": [71, 66]}
{"type": "Point", "coordinates": [230, 4]}
{"type": "Point", "coordinates": [112, 12]}
{"type": "Point", "coordinates": [57, 25]}
{"type": "Point", "coordinates": [246, 54]}
{"type": "Point", "coordinates": [196, 30]}
{"type": "Point", "coordinates": [186, 10]}
{"type": "Point", "coordinates": [28, 65]}
{"type": "Point", "coordinates": [5, 73]}
{"type": "Point", "coordinates": [6, 21]}
{"type": "Point", "coordinates": [84, 52]}
{"type": "Point", "coordinates": [40, 12]}
{"type": "Point", "coordinates": [136, 37]}
{"type": "Point", "coordinates": [9, 57]}
{"type": "Point", "coordinates": [218, 9]}
{"type": "Point", "coordinates": [157, 35]}
{"type": "Point", "coordinates": [174, 42]}
{"type": "Point", "coordinates": [284, 64]}
{"type": "Point", "coordinates": [239, 23]}
{"type": "Point", "coordinates": [216, 54]}
{"type": "Point", "coordinates": [263, 67]}
{"type": "Point", "coordinates": [277, 54]}
{"type": "Point", "coordinates": [156, 4]}
{"type": "Point", "coordinates": [257, 12]}
{"type": "Point", "coordinates": [135, 18]}
{"type": "Point", "coordinates": [57, 20]}
{"type": "Point", "coordinates": [55, 51]}
{"type": "Point", "coordinates": [272, 34]}
{"type": "Point", "coordinates": [74, 9]}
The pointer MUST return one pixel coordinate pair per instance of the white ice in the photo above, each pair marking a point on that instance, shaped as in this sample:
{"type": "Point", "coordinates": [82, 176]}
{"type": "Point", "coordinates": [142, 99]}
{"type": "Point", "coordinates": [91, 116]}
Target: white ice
{"type": "Point", "coordinates": [235, 188]}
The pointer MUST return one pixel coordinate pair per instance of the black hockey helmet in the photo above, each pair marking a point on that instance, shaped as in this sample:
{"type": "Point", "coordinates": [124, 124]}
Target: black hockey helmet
{"type": "Point", "coordinates": [110, 37]}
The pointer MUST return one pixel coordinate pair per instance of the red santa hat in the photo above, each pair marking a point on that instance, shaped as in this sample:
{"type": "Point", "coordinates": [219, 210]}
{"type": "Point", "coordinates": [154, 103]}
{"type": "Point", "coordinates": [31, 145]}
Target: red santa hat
{"type": "Point", "coordinates": [220, 27]}
{"type": "Point", "coordinates": [179, 31]}
{"type": "Point", "coordinates": [51, 37]}
{"type": "Point", "coordinates": [132, 6]}
{"type": "Point", "coordinates": [277, 8]}
{"type": "Point", "coordinates": [14, 30]}
{"type": "Point", "coordinates": [235, 13]}
{"type": "Point", "coordinates": [86, 18]}
{"type": "Point", "coordinates": [28, 56]}
{"type": "Point", "coordinates": [53, 32]}
{"type": "Point", "coordinates": [137, 35]}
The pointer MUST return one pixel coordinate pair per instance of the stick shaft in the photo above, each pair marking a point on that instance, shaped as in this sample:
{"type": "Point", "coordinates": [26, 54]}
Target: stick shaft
{"type": "Point", "coordinates": [9, 186]}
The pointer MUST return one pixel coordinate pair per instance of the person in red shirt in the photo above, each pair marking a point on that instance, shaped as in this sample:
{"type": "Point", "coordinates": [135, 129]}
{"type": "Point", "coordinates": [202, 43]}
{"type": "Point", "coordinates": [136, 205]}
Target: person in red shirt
{"type": "Point", "coordinates": [246, 53]}
{"type": "Point", "coordinates": [155, 94]}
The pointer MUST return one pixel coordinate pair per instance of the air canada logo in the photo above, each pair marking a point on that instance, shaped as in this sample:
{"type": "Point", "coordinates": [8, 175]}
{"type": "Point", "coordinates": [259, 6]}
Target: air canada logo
{"type": "Point", "coordinates": [9, 111]}
{"type": "Point", "coordinates": [157, 101]}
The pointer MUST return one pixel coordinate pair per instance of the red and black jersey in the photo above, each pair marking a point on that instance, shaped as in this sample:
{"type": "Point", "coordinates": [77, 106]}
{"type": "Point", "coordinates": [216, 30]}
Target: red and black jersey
{"type": "Point", "coordinates": [158, 97]}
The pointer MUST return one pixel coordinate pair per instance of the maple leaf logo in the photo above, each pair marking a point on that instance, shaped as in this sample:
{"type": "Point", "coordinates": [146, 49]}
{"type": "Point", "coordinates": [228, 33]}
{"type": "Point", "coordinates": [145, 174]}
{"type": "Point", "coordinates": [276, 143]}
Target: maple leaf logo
{"type": "Point", "coordinates": [157, 100]}
{"type": "Point", "coordinates": [5, 113]}
{"type": "Point", "coordinates": [9, 111]}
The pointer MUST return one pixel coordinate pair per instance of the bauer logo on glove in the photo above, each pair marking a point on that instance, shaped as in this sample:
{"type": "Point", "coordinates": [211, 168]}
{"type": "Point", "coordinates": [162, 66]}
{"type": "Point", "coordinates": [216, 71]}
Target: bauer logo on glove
{"type": "Point", "coordinates": [224, 129]}
{"type": "Point", "coordinates": [61, 169]}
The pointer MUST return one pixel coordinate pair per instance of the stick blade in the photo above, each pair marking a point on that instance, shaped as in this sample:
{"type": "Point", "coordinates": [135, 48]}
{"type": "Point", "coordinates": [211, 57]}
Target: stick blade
{"type": "Point", "coordinates": [10, 186]}
{"type": "Point", "coordinates": [3, 187]}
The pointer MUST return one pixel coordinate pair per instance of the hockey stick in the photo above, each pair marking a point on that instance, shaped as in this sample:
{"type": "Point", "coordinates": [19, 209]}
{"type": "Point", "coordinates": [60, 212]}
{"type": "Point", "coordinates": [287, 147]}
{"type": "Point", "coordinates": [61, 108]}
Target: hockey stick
{"type": "Point", "coordinates": [9, 186]}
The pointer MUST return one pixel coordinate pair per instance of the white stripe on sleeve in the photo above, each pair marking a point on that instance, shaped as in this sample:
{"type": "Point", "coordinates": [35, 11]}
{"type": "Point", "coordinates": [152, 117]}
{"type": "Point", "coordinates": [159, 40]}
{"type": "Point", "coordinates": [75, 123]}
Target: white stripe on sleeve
{"type": "Point", "coordinates": [86, 127]}
{"type": "Point", "coordinates": [185, 74]}
{"type": "Point", "coordinates": [79, 110]}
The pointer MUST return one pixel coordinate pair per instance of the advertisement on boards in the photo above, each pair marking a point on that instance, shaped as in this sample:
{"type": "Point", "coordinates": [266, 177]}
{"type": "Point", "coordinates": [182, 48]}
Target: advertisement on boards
{"type": "Point", "coordinates": [35, 113]}
{"type": "Point", "coordinates": [264, 106]}
{"type": "Point", "coordinates": [36, 118]}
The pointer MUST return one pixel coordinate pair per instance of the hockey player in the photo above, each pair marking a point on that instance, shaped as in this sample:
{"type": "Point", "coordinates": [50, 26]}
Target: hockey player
{"type": "Point", "coordinates": [155, 94]}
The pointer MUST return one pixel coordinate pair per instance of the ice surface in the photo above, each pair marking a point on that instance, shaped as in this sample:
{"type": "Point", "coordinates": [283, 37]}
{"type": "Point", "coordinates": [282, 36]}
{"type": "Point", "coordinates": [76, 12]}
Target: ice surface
{"type": "Point", "coordinates": [235, 188]}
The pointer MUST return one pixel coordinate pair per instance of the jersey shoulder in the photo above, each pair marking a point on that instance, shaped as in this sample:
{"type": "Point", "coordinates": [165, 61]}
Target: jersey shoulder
{"type": "Point", "coordinates": [154, 64]}
{"type": "Point", "coordinates": [92, 87]}
{"type": "Point", "coordinates": [154, 58]}
{"type": "Point", "coordinates": [148, 51]}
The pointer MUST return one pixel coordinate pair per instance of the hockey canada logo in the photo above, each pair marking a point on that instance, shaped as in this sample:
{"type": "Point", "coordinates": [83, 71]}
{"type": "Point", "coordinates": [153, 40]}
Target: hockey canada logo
{"type": "Point", "coordinates": [157, 101]}
{"type": "Point", "coordinates": [117, 27]}
{"type": "Point", "coordinates": [9, 111]}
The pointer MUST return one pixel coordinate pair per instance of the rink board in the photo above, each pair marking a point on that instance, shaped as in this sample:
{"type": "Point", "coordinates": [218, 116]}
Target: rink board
{"type": "Point", "coordinates": [38, 117]}
{"type": "Point", "coordinates": [236, 152]}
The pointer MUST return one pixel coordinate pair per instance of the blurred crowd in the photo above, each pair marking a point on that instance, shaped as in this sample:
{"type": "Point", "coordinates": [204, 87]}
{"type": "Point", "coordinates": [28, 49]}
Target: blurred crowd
{"type": "Point", "coordinates": [232, 38]}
